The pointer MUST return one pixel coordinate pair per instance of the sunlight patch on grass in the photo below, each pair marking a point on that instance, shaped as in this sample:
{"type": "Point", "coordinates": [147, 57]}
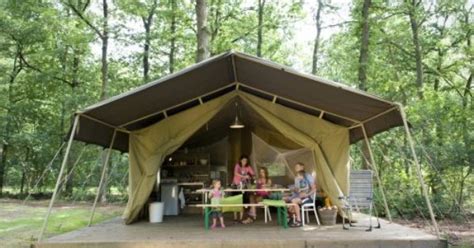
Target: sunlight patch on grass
{"type": "Point", "coordinates": [20, 225]}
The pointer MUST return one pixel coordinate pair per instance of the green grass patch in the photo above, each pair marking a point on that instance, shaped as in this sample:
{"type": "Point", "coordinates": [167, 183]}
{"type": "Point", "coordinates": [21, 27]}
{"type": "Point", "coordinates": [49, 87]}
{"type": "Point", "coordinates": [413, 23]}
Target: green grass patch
{"type": "Point", "coordinates": [20, 224]}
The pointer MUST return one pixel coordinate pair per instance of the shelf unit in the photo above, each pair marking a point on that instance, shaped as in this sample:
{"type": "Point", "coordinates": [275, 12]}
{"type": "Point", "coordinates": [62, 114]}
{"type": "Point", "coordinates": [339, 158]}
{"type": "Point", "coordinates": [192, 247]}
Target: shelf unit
{"type": "Point", "coordinates": [192, 169]}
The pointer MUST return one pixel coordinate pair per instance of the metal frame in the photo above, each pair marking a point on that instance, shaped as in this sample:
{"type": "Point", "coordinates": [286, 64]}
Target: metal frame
{"type": "Point", "coordinates": [104, 170]}
{"type": "Point", "coordinates": [58, 181]}
{"type": "Point", "coordinates": [298, 103]}
{"type": "Point", "coordinates": [418, 169]}
{"type": "Point", "coordinates": [376, 171]}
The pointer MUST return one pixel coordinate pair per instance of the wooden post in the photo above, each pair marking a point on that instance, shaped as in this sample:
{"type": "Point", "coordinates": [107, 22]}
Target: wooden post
{"type": "Point", "coordinates": [374, 167]}
{"type": "Point", "coordinates": [58, 181]}
{"type": "Point", "coordinates": [104, 169]}
{"type": "Point", "coordinates": [418, 170]}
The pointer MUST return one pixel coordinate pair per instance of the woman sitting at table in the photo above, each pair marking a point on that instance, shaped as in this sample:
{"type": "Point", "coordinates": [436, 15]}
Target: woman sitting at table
{"type": "Point", "coordinates": [243, 174]}
{"type": "Point", "coordinates": [263, 182]}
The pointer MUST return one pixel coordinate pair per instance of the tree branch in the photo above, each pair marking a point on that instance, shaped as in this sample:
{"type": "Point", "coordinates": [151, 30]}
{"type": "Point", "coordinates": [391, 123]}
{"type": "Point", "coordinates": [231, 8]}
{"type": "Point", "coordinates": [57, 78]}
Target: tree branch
{"type": "Point", "coordinates": [83, 18]}
{"type": "Point", "coordinates": [28, 65]}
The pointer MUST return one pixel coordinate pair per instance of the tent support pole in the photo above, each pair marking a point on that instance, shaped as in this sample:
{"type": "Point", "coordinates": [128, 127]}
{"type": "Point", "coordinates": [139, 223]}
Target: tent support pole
{"type": "Point", "coordinates": [58, 181]}
{"type": "Point", "coordinates": [418, 170]}
{"type": "Point", "coordinates": [374, 167]}
{"type": "Point", "coordinates": [104, 169]}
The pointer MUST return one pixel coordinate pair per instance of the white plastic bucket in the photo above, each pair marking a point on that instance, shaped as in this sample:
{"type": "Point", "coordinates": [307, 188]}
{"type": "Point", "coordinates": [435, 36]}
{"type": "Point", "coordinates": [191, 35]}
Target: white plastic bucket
{"type": "Point", "coordinates": [156, 212]}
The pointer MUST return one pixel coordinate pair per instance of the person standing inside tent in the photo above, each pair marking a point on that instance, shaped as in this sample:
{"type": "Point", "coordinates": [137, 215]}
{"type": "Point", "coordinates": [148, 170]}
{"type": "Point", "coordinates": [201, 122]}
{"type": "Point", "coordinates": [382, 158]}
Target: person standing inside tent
{"type": "Point", "coordinates": [263, 182]}
{"type": "Point", "coordinates": [243, 175]}
{"type": "Point", "coordinates": [303, 191]}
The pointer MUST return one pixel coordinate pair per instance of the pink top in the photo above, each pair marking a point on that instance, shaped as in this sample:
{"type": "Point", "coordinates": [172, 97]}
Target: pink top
{"type": "Point", "coordinates": [245, 170]}
{"type": "Point", "coordinates": [217, 193]}
{"type": "Point", "coordinates": [260, 185]}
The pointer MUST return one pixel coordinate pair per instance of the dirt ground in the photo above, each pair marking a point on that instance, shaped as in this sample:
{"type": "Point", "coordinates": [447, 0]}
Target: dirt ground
{"type": "Point", "coordinates": [458, 234]}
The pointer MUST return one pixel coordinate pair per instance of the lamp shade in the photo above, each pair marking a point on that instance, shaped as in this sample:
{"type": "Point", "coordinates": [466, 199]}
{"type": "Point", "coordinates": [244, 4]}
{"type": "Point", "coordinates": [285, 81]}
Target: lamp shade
{"type": "Point", "coordinates": [237, 124]}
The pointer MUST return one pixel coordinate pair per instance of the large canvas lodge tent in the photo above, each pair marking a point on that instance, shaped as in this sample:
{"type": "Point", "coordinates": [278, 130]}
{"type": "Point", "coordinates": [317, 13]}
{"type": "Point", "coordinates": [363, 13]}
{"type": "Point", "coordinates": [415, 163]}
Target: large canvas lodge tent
{"type": "Point", "coordinates": [195, 106]}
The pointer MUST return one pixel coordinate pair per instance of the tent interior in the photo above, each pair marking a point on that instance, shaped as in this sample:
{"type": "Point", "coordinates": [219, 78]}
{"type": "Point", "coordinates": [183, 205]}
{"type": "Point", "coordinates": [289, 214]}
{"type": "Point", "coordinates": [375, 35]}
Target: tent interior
{"type": "Point", "coordinates": [274, 136]}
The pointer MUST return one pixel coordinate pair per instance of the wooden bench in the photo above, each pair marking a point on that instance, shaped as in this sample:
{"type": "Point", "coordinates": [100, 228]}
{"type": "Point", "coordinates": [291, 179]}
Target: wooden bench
{"type": "Point", "coordinates": [282, 213]}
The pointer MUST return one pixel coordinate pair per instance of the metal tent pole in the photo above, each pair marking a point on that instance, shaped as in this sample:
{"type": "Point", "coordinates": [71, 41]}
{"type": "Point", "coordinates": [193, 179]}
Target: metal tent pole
{"type": "Point", "coordinates": [61, 171]}
{"type": "Point", "coordinates": [418, 170]}
{"type": "Point", "coordinates": [104, 169]}
{"type": "Point", "coordinates": [374, 167]}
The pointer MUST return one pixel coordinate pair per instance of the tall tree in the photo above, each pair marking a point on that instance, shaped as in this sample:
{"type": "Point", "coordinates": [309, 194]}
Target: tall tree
{"type": "Point", "coordinates": [364, 46]}
{"type": "Point", "coordinates": [363, 64]}
{"type": "Point", "coordinates": [317, 18]}
{"type": "Point", "coordinates": [103, 34]}
{"type": "Point", "coordinates": [261, 12]}
{"type": "Point", "coordinates": [147, 23]}
{"type": "Point", "coordinates": [17, 67]}
{"type": "Point", "coordinates": [413, 14]}
{"type": "Point", "coordinates": [172, 51]}
{"type": "Point", "coordinates": [203, 51]}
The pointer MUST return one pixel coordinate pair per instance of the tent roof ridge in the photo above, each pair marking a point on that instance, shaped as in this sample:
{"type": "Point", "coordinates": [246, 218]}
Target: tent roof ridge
{"type": "Point", "coordinates": [310, 76]}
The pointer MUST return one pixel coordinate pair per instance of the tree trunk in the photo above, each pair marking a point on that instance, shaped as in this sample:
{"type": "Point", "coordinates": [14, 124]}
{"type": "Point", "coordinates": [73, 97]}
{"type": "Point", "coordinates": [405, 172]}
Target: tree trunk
{"type": "Point", "coordinates": [146, 52]}
{"type": "Point", "coordinates": [5, 136]}
{"type": "Point", "coordinates": [202, 31]}
{"type": "Point", "coordinates": [363, 64]}
{"type": "Point", "coordinates": [102, 191]}
{"type": "Point", "coordinates": [416, 43]}
{"type": "Point", "coordinates": [261, 7]}
{"type": "Point", "coordinates": [364, 46]}
{"type": "Point", "coordinates": [173, 36]}
{"type": "Point", "coordinates": [147, 23]}
{"type": "Point", "coordinates": [314, 69]}
{"type": "Point", "coordinates": [104, 93]}
{"type": "Point", "coordinates": [105, 41]}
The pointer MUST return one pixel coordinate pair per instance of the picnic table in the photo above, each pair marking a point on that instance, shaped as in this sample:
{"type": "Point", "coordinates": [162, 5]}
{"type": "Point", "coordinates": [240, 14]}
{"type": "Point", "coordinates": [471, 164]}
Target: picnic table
{"type": "Point", "coordinates": [205, 191]}
{"type": "Point", "coordinates": [280, 205]}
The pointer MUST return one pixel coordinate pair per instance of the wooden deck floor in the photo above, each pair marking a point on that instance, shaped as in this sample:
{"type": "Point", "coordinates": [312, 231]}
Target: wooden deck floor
{"type": "Point", "coordinates": [188, 231]}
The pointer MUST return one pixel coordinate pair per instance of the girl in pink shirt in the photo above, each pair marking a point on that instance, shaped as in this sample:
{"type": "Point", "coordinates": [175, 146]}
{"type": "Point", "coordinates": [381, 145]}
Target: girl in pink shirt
{"type": "Point", "coordinates": [216, 195]}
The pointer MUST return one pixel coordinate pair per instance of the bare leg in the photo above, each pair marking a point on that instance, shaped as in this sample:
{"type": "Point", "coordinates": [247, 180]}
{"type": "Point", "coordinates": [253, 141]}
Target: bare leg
{"type": "Point", "coordinates": [214, 222]}
{"type": "Point", "coordinates": [222, 221]}
{"type": "Point", "coordinates": [253, 212]}
{"type": "Point", "coordinates": [296, 208]}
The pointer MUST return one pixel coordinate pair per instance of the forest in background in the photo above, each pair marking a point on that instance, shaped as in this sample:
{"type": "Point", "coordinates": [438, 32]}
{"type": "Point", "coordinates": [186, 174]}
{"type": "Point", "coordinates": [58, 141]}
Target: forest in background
{"type": "Point", "coordinates": [59, 56]}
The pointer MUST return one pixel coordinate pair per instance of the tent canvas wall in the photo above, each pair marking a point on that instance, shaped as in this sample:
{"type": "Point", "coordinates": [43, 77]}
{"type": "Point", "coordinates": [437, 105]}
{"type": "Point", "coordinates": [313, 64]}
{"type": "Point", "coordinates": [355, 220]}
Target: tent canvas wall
{"type": "Point", "coordinates": [199, 92]}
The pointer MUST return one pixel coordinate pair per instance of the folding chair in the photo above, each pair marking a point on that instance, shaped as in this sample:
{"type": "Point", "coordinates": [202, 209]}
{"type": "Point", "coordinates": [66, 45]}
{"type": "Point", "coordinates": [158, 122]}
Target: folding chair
{"type": "Point", "coordinates": [360, 196]}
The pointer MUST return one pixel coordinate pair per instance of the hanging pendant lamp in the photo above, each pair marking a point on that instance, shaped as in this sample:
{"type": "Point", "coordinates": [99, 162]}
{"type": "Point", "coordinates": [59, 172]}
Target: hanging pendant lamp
{"type": "Point", "coordinates": [237, 124]}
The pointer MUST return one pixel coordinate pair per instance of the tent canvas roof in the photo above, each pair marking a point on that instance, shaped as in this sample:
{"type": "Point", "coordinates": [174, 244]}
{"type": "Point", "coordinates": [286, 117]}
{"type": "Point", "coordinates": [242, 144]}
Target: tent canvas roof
{"type": "Point", "coordinates": [222, 74]}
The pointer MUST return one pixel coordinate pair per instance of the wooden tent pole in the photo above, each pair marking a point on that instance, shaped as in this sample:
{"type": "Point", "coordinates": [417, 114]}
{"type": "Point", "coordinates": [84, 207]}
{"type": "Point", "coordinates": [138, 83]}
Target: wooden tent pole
{"type": "Point", "coordinates": [374, 167]}
{"type": "Point", "coordinates": [104, 169]}
{"type": "Point", "coordinates": [418, 170]}
{"type": "Point", "coordinates": [58, 181]}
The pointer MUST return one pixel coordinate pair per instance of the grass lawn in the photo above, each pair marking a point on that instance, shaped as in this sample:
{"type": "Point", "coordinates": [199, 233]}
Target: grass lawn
{"type": "Point", "coordinates": [20, 224]}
